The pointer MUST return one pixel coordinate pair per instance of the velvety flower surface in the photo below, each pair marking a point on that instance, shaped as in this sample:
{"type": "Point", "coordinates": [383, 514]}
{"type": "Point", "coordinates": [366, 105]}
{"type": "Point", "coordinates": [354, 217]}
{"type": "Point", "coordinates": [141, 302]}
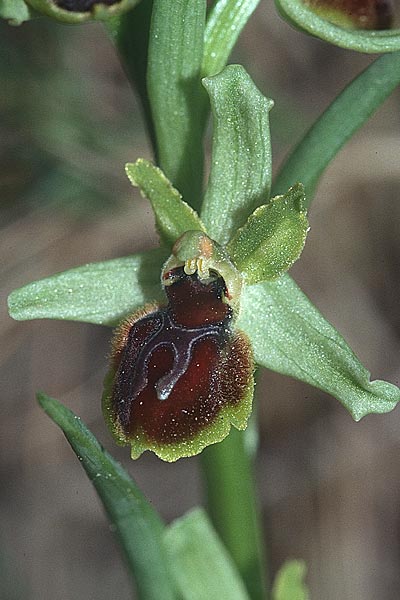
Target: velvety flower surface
{"type": "Point", "coordinates": [180, 373]}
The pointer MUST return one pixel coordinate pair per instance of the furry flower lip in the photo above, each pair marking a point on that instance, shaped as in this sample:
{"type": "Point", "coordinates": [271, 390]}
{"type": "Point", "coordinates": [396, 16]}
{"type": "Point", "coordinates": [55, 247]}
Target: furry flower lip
{"type": "Point", "coordinates": [181, 374]}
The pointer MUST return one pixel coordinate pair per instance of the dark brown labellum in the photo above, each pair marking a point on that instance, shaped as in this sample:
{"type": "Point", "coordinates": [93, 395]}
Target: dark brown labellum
{"type": "Point", "coordinates": [358, 14]}
{"type": "Point", "coordinates": [82, 5]}
{"type": "Point", "coordinates": [178, 368]}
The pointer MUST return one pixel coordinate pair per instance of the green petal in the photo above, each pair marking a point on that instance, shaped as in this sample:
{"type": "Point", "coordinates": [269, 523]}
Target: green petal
{"type": "Point", "coordinates": [202, 568]}
{"type": "Point", "coordinates": [303, 17]}
{"type": "Point", "coordinates": [240, 177]}
{"type": "Point", "coordinates": [15, 11]}
{"type": "Point", "coordinates": [173, 216]}
{"type": "Point", "coordinates": [97, 12]}
{"type": "Point", "coordinates": [291, 337]}
{"type": "Point", "coordinates": [354, 105]}
{"type": "Point", "coordinates": [272, 239]}
{"type": "Point", "coordinates": [224, 25]}
{"type": "Point", "coordinates": [137, 525]}
{"type": "Point", "coordinates": [101, 293]}
{"type": "Point", "coordinates": [289, 582]}
{"type": "Point", "coordinates": [176, 96]}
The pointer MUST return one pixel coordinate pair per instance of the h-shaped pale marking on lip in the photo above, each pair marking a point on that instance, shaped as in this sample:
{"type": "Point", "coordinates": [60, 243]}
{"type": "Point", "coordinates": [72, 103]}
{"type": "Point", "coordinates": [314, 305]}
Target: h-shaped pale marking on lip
{"type": "Point", "coordinates": [182, 344]}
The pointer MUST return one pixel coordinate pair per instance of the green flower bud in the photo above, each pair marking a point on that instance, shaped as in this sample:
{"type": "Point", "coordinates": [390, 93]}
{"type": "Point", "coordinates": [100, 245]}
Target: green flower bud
{"type": "Point", "coordinates": [79, 11]}
{"type": "Point", "coordinates": [355, 14]}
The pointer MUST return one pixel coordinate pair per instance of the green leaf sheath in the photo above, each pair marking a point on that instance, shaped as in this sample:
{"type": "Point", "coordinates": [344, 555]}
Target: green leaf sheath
{"type": "Point", "coordinates": [338, 123]}
{"type": "Point", "coordinates": [224, 25]}
{"type": "Point", "coordinates": [303, 17]}
{"type": "Point", "coordinates": [130, 34]}
{"type": "Point", "coordinates": [173, 216]}
{"type": "Point", "coordinates": [240, 176]}
{"type": "Point", "coordinates": [202, 568]}
{"type": "Point", "coordinates": [137, 525]}
{"type": "Point", "coordinates": [290, 336]}
{"type": "Point", "coordinates": [234, 510]}
{"type": "Point", "coordinates": [176, 97]}
{"type": "Point", "coordinates": [273, 237]}
{"type": "Point", "coordinates": [101, 293]}
{"type": "Point", "coordinates": [289, 582]}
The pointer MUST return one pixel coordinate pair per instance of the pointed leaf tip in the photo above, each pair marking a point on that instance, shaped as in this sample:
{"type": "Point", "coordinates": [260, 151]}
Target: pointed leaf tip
{"type": "Point", "coordinates": [289, 582]}
{"type": "Point", "coordinates": [290, 336]}
{"type": "Point", "coordinates": [173, 215]}
{"type": "Point", "coordinates": [137, 525]}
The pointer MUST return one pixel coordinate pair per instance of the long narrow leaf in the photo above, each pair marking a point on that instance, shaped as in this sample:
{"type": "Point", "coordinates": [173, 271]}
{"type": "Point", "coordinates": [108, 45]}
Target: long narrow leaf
{"type": "Point", "coordinates": [175, 92]}
{"type": "Point", "coordinates": [101, 293]}
{"type": "Point", "coordinates": [338, 123]}
{"type": "Point", "coordinates": [137, 525]}
{"type": "Point", "coordinates": [201, 566]}
{"type": "Point", "coordinates": [290, 336]}
{"type": "Point", "coordinates": [240, 177]}
{"type": "Point", "coordinates": [224, 25]}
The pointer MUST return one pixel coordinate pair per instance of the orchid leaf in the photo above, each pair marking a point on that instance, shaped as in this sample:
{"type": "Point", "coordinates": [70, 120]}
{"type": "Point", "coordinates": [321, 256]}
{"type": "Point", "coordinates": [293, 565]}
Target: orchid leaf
{"type": "Point", "coordinates": [289, 582]}
{"type": "Point", "coordinates": [101, 293]}
{"type": "Point", "coordinates": [290, 336]}
{"type": "Point", "coordinates": [224, 25]}
{"type": "Point", "coordinates": [137, 525]}
{"type": "Point", "coordinates": [347, 113]}
{"type": "Point", "coordinates": [202, 567]}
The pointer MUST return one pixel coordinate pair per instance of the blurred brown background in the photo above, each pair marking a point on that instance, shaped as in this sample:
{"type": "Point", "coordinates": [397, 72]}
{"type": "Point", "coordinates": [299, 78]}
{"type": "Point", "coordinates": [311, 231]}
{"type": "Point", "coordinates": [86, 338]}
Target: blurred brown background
{"type": "Point", "coordinates": [330, 488]}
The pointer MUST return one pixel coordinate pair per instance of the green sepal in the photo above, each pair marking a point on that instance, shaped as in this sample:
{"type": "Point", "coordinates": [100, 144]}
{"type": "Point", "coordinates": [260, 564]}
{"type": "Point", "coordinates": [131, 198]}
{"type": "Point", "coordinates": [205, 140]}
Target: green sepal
{"type": "Point", "coordinates": [173, 216]}
{"type": "Point", "coordinates": [303, 17]}
{"type": "Point", "coordinates": [15, 11]}
{"type": "Point", "coordinates": [240, 176]}
{"type": "Point", "coordinates": [193, 545]}
{"type": "Point", "coordinates": [273, 237]}
{"type": "Point", "coordinates": [137, 525]}
{"type": "Point", "coordinates": [101, 293]}
{"type": "Point", "coordinates": [290, 336]}
{"type": "Point", "coordinates": [289, 582]}
{"type": "Point", "coordinates": [100, 12]}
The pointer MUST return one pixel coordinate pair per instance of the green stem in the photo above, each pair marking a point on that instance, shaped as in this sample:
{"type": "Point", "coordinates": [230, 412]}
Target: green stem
{"type": "Point", "coordinates": [233, 507]}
